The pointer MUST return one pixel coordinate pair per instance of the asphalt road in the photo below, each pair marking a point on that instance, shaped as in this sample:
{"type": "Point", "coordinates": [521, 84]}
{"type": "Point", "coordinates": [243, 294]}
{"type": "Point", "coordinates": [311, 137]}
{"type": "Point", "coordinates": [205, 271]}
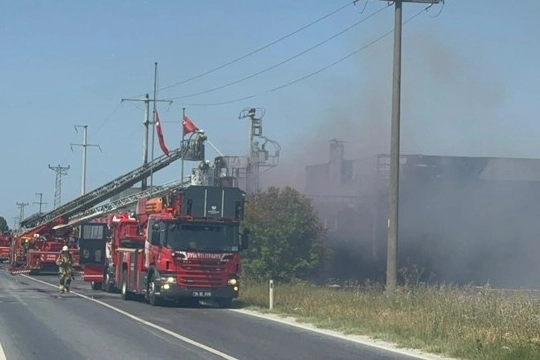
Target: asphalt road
{"type": "Point", "coordinates": [36, 322]}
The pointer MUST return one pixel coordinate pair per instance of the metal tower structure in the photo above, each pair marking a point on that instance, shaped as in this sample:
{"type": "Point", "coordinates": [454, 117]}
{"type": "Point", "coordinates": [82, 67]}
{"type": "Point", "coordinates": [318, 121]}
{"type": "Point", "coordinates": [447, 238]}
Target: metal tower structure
{"type": "Point", "coordinates": [21, 207]}
{"type": "Point", "coordinates": [263, 155]}
{"type": "Point", "coordinates": [60, 170]}
{"type": "Point", "coordinates": [258, 156]}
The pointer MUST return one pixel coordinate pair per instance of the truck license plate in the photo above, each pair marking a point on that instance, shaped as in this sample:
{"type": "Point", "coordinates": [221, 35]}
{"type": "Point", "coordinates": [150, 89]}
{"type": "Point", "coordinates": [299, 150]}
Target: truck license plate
{"type": "Point", "coordinates": [202, 294]}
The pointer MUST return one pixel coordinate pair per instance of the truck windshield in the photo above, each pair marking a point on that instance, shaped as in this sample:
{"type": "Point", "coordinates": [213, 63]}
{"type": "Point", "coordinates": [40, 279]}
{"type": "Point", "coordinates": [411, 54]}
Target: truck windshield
{"type": "Point", "coordinates": [202, 237]}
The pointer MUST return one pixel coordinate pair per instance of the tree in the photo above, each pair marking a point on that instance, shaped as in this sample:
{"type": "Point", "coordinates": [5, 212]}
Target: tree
{"type": "Point", "coordinates": [287, 238]}
{"type": "Point", "coordinates": [3, 225]}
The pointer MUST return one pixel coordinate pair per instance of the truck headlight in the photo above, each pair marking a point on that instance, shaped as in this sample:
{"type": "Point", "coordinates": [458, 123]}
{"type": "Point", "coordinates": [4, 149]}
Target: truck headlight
{"type": "Point", "coordinates": [170, 280]}
{"type": "Point", "coordinates": [232, 282]}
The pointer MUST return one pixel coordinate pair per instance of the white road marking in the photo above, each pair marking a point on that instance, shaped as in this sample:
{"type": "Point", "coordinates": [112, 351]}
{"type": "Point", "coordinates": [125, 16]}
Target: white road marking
{"type": "Point", "coordinates": [357, 339]}
{"type": "Point", "coordinates": [2, 354]}
{"type": "Point", "coordinates": [142, 321]}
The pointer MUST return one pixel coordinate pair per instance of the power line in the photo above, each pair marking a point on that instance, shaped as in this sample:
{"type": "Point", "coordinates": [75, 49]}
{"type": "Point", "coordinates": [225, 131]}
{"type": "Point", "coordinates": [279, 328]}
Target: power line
{"type": "Point", "coordinates": [227, 101]}
{"type": "Point", "coordinates": [259, 49]}
{"type": "Point", "coordinates": [286, 60]}
{"type": "Point", "coordinates": [310, 74]}
{"type": "Point", "coordinates": [108, 118]}
{"type": "Point", "coordinates": [334, 63]}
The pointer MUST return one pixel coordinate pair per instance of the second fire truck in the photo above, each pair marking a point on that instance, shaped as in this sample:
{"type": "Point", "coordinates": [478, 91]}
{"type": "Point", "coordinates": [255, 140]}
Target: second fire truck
{"type": "Point", "coordinates": [182, 246]}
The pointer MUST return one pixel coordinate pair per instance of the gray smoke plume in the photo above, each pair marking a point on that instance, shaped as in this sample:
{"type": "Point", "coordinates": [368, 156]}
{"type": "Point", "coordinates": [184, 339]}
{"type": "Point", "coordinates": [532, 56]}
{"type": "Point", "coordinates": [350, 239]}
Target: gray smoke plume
{"type": "Point", "coordinates": [465, 220]}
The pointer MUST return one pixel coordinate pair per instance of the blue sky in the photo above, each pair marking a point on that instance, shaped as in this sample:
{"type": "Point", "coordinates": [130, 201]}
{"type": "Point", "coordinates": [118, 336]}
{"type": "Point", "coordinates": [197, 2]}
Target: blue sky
{"type": "Point", "coordinates": [470, 72]}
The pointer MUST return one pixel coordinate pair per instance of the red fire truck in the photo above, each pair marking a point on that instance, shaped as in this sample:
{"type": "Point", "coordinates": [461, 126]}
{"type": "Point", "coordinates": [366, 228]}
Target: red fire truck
{"type": "Point", "coordinates": [182, 246]}
{"type": "Point", "coordinates": [36, 251]}
{"type": "Point", "coordinates": [5, 243]}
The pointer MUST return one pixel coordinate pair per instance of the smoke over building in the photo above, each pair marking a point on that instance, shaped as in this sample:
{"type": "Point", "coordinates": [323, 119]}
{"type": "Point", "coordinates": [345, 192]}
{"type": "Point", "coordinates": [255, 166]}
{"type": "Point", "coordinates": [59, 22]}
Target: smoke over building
{"type": "Point", "coordinates": [462, 219]}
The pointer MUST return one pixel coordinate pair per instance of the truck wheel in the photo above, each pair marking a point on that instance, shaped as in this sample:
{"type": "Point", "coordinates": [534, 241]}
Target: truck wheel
{"type": "Point", "coordinates": [126, 295]}
{"type": "Point", "coordinates": [224, 303]}
{"type": "Point", "coordinates": [153, 299]}
{"type": "Point", "coordinates": [107, 286]}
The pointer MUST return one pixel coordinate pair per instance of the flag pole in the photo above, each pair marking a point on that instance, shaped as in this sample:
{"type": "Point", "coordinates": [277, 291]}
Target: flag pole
{"type": "Point", "coordinates": [153, 129]}
{"type": "Point", "coordinates": [182, 144]}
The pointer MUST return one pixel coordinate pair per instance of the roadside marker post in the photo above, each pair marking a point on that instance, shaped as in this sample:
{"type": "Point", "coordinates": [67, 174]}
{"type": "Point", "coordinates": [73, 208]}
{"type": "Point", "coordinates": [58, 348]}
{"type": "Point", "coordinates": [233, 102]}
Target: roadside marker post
{"type": "Point", "coordinates": [271, 294]}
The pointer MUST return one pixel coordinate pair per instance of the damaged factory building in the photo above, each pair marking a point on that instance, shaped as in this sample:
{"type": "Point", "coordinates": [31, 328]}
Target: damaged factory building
{"type": "Point", "coordinates": [461, 219]}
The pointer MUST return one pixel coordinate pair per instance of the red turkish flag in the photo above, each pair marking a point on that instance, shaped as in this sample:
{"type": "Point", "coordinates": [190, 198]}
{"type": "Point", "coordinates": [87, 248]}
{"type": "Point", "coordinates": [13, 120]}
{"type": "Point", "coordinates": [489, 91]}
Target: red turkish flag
{"type": "Point", "coordinates": [188, 126]}
{"type": "Point", "coordinates": [160, 136]}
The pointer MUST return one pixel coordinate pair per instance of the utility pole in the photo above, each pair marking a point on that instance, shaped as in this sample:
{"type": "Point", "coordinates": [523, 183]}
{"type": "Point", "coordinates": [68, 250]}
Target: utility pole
{"type": "Point", "coordinates": [84, 145]}
{"type": "Point", "coordinates": [21, 210]}
{"type": "Point", "coordinates": [393, 187]}
{"type": "Point", "coordinates": [40, 202]}
{"type": "Point", "coordinates": [60, 170]}
{"type": "Point", "coordinates": [146, 124]}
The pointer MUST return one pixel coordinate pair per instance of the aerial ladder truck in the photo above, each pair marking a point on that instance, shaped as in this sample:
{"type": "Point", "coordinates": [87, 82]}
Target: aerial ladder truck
{"type": "Point", "coordinates": [183, 244]}
{"type": "Point", "coordinates": [36, 248]}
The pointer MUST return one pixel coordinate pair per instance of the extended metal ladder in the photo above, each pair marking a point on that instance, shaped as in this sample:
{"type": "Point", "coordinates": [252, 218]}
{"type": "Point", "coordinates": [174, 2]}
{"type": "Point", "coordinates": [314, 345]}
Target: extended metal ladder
{"type": "Point", "coordinates": [123, 202]}
{"type": "Point", "coordinates": [102, 193]}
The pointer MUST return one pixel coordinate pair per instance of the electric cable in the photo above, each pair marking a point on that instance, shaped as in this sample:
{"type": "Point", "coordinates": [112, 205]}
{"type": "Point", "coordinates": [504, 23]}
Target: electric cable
{"type": "Point", "coordinates": [284, 61]}
{"type": "Point", "coordinates": [259, 49]}
{"type": "Point", "coordinates": [204, 73]}
{"type": "Point", "coordinates": [310, 74]}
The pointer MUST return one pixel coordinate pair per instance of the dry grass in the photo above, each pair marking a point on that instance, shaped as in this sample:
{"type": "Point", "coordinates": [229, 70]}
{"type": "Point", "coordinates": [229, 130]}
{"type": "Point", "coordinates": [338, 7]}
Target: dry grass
{"type": "Point", "coordinates": [463, 322]}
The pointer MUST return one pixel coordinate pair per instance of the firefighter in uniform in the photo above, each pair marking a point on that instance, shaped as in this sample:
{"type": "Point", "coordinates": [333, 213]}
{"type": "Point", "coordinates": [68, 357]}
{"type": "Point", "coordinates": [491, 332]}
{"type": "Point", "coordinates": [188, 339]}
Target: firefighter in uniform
{"type": "Point", "coordinates": [65, 269]}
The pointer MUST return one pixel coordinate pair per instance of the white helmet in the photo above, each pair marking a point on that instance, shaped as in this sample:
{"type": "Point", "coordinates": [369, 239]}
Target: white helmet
{"type": "Point", "coordinates": [65, 248]}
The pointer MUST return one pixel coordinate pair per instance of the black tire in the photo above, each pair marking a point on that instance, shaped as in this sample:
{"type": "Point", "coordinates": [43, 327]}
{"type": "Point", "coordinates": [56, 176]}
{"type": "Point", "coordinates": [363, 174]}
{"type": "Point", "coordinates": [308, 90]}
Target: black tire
{"type": "Point", "coordinates": [96, 285]}
{"type": "Point", "coordinates": [153, 299]}
{"type": "Point", "coordinates": [107, 286]}
{"type": "Point", "coordinates": [224, 303]}
{"type": "Point", "coordinates": [126, 295]}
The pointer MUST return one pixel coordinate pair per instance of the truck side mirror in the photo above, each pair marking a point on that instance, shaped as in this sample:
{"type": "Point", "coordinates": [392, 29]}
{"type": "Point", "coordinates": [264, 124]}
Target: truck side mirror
{"type": "Point", "coordinates": [154, 238]}
{"type": "Point", "coordinates": [246, 236]}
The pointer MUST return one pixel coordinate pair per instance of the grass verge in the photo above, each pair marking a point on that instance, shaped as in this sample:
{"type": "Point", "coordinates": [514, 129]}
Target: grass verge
{"type": "Point", "coordinates": [462, 322]}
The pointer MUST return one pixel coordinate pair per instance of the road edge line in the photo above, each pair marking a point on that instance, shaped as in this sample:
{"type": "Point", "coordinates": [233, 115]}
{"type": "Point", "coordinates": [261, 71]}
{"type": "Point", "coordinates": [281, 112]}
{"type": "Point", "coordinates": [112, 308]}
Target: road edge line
{"type": "Point", "coordinates": [142, 321]}
{"type": "Point", "coordinates": [2, 353]}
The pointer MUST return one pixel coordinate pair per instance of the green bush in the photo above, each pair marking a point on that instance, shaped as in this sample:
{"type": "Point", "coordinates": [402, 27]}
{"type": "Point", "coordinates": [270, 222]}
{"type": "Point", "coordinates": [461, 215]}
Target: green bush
{"type": "Point", "coordinates": [287, 239]}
